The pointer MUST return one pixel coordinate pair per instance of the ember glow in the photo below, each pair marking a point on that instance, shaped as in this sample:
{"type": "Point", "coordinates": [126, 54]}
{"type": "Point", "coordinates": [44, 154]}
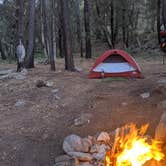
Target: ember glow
{"type": "Point", "coordinates": [133, 148]}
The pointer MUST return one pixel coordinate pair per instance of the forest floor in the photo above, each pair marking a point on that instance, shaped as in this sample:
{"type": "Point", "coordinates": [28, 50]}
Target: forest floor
{"type": "Point", "coordinates": [32, 134]}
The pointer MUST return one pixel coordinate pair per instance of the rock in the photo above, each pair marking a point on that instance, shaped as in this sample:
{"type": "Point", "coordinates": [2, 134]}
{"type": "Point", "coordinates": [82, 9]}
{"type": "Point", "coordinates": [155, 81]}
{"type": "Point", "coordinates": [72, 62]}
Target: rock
{"type": "Point", "coordinates": [104, 136]}
{"type": "Point", "coordinates": [5, 72]}
{"type": "Point", "coordinates": [49, 83]}
{"type": "Point", "coordinates": [57, 97]}
{"type": "Point", "coordinates": [74, 143]}
{"type": "Point", "coordinates": [145, 95]}
{"type": "Point", "coordinates": [55, 91]}
{"type": "Point", "coordinates": [82, 120]}
{"type": "Point", "coordinates": [101, 152]}
{"type": "Point", "coordinates": [162, 105]}
{"type": "Point", "coordinates": [64, 160]}
{"type": "Point", "coordinates": [24, 72]}
{"type": "Point", "coordinates": [85, 164]}
{"type": "Point", "coordinates": [40, 83]}
{"type": "Point", "coordinates": [160, 132]}
{"type": "Point", "coordinates": [94, 149]}
{"type": "Point", "coordinates": [20, 103]}
{"type": "Point", "coordinates": [124, 104]}
{"type": "Point", "coordinates": [65, 163]}
{"type": "Point", "coordinates": [78, 69]}
{"type": "Point", "coordinates": [81, 156]}
{"type": "Point", "coordinates": [19, 77]}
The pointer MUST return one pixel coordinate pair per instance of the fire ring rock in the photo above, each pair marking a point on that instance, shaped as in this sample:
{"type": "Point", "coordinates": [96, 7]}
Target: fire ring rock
{"type": "Point", "coordinates": [74, 143]}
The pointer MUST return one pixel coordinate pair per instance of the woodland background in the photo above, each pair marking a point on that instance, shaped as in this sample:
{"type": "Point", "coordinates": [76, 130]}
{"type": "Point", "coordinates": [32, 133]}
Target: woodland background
{"type": "Point", "coordinates": [66, 29]}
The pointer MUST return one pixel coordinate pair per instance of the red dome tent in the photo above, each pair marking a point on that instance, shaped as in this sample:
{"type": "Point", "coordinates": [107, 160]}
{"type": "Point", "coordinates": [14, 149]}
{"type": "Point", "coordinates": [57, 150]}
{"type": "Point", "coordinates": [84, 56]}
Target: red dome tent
{"type": "Point", "coordinates": [115, 63]}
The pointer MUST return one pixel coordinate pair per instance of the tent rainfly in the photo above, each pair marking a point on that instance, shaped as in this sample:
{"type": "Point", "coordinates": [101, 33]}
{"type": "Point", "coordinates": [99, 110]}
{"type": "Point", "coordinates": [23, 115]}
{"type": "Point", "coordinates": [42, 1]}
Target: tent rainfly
{"type": "Point", "coordinates": [115, 63]}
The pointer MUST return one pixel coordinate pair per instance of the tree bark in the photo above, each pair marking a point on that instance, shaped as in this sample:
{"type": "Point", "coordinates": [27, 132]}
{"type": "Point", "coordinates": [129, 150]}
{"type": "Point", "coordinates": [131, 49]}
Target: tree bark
{"type": "Point", "coordinates": [87, 29]}
{"type": "Point", "coordinates": [164, 13]}
{"type": "Point", "coordinates": [79, 30]}
{"type": "Point", "coordinates": [31, 29]}
{"type": "Point", "coordinates": [112, 24]}
{"type": "Point", "coordinates": [158, 19]}
{"type": "Point", "coordinates": [51, 36]}
{"type": "Point", "coordinates": [19, 20]}
{"type": "Point", "coordinates": [67, 45]}
{"type": "Point", "coordinates": [3, 56]}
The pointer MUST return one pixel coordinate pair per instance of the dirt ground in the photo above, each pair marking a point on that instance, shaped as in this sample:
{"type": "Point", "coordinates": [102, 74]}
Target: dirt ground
{"type": "Point", "coordinates": [32, 135]}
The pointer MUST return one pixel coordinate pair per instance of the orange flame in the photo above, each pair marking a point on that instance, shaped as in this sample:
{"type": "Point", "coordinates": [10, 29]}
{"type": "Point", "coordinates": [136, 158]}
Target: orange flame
{"type": "Point", "coordinates": [132, 148]}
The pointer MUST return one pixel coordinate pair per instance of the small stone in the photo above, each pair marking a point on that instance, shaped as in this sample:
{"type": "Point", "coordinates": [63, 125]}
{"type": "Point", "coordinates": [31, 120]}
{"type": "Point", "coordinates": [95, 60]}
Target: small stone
{"type": "Point", "coordinates": [104, 136]}
{"type": "Point", "coordinates": [20, 103]}
{"type": "Point", "coordinates": [124, 104]}
{"type": "Point", "coordinates": [24, 72]}
{"type": "Point", "coordinates": [57, 97]}
{"type": "Point", "coordinates": [55, 91]}
{"type": "Point", "coordinates": [45, 136]}
{"type": "Point", "coordinates": [145, 95]}
{"type": "Point", "coordinates": [49, 83]}
{"type": "Point", "coordinates": [81, 156]}
{"type": "Point", "coordinates": [78, 69]}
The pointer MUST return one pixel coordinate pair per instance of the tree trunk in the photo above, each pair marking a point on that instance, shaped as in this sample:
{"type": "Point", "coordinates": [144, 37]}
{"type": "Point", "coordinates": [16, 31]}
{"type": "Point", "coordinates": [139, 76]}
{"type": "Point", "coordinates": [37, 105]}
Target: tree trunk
{"type": "Point", "coordinates": [43, 36]}
{"type": "Point", "coordinates": [164, 13]}
{"type": "Point", "coordinates": [103, 26]}
{"type": "Point", "coordinates": [2, 52]}
{"type": "Point", "coordinates": [50, 36]}
{"type": "Point", "coordinates": [19, 20]}
{"type": "Point", "coordinates": [79, 31]}
{"type": "Point", "coordinates": [124, 26]}
{"type": "Point", "coordinates": [87, 29]}
{"type": "Point", "coordinates": [60, 42]}
{"type": "Point", "coordinates": [158, 19]}
{"type": "Point", "coordinates": [67, 45]}
{"type": "Point", "coordinates": [112, 24]}
{"type": "Point", "coordinates": [31, 38]}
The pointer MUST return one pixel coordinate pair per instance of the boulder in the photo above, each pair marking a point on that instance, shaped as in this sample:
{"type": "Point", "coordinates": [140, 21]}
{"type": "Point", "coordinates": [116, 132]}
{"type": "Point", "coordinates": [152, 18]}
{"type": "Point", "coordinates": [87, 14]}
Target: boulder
{"type": "Point", "coordinates": [101, 152]}
{"type": "Point", "coordinates": [74, 143]}
{"type": "Point", "coordinates": [104, 137]}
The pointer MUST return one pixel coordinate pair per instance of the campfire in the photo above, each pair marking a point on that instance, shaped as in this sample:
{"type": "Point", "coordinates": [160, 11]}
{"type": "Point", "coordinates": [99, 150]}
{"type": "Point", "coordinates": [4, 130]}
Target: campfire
{"type": "Point", "coordinates": [133, 148]}
{"type": "Point", "coordinates": [125, 146]}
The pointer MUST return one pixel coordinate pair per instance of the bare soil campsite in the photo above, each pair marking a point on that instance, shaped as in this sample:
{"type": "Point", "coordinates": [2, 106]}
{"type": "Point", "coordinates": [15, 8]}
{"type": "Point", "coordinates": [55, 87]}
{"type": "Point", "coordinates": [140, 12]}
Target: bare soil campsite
{"type": "Point", "coordinates": [34, 119]}
{"type": "Point", "coordinates": [82, 83]}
